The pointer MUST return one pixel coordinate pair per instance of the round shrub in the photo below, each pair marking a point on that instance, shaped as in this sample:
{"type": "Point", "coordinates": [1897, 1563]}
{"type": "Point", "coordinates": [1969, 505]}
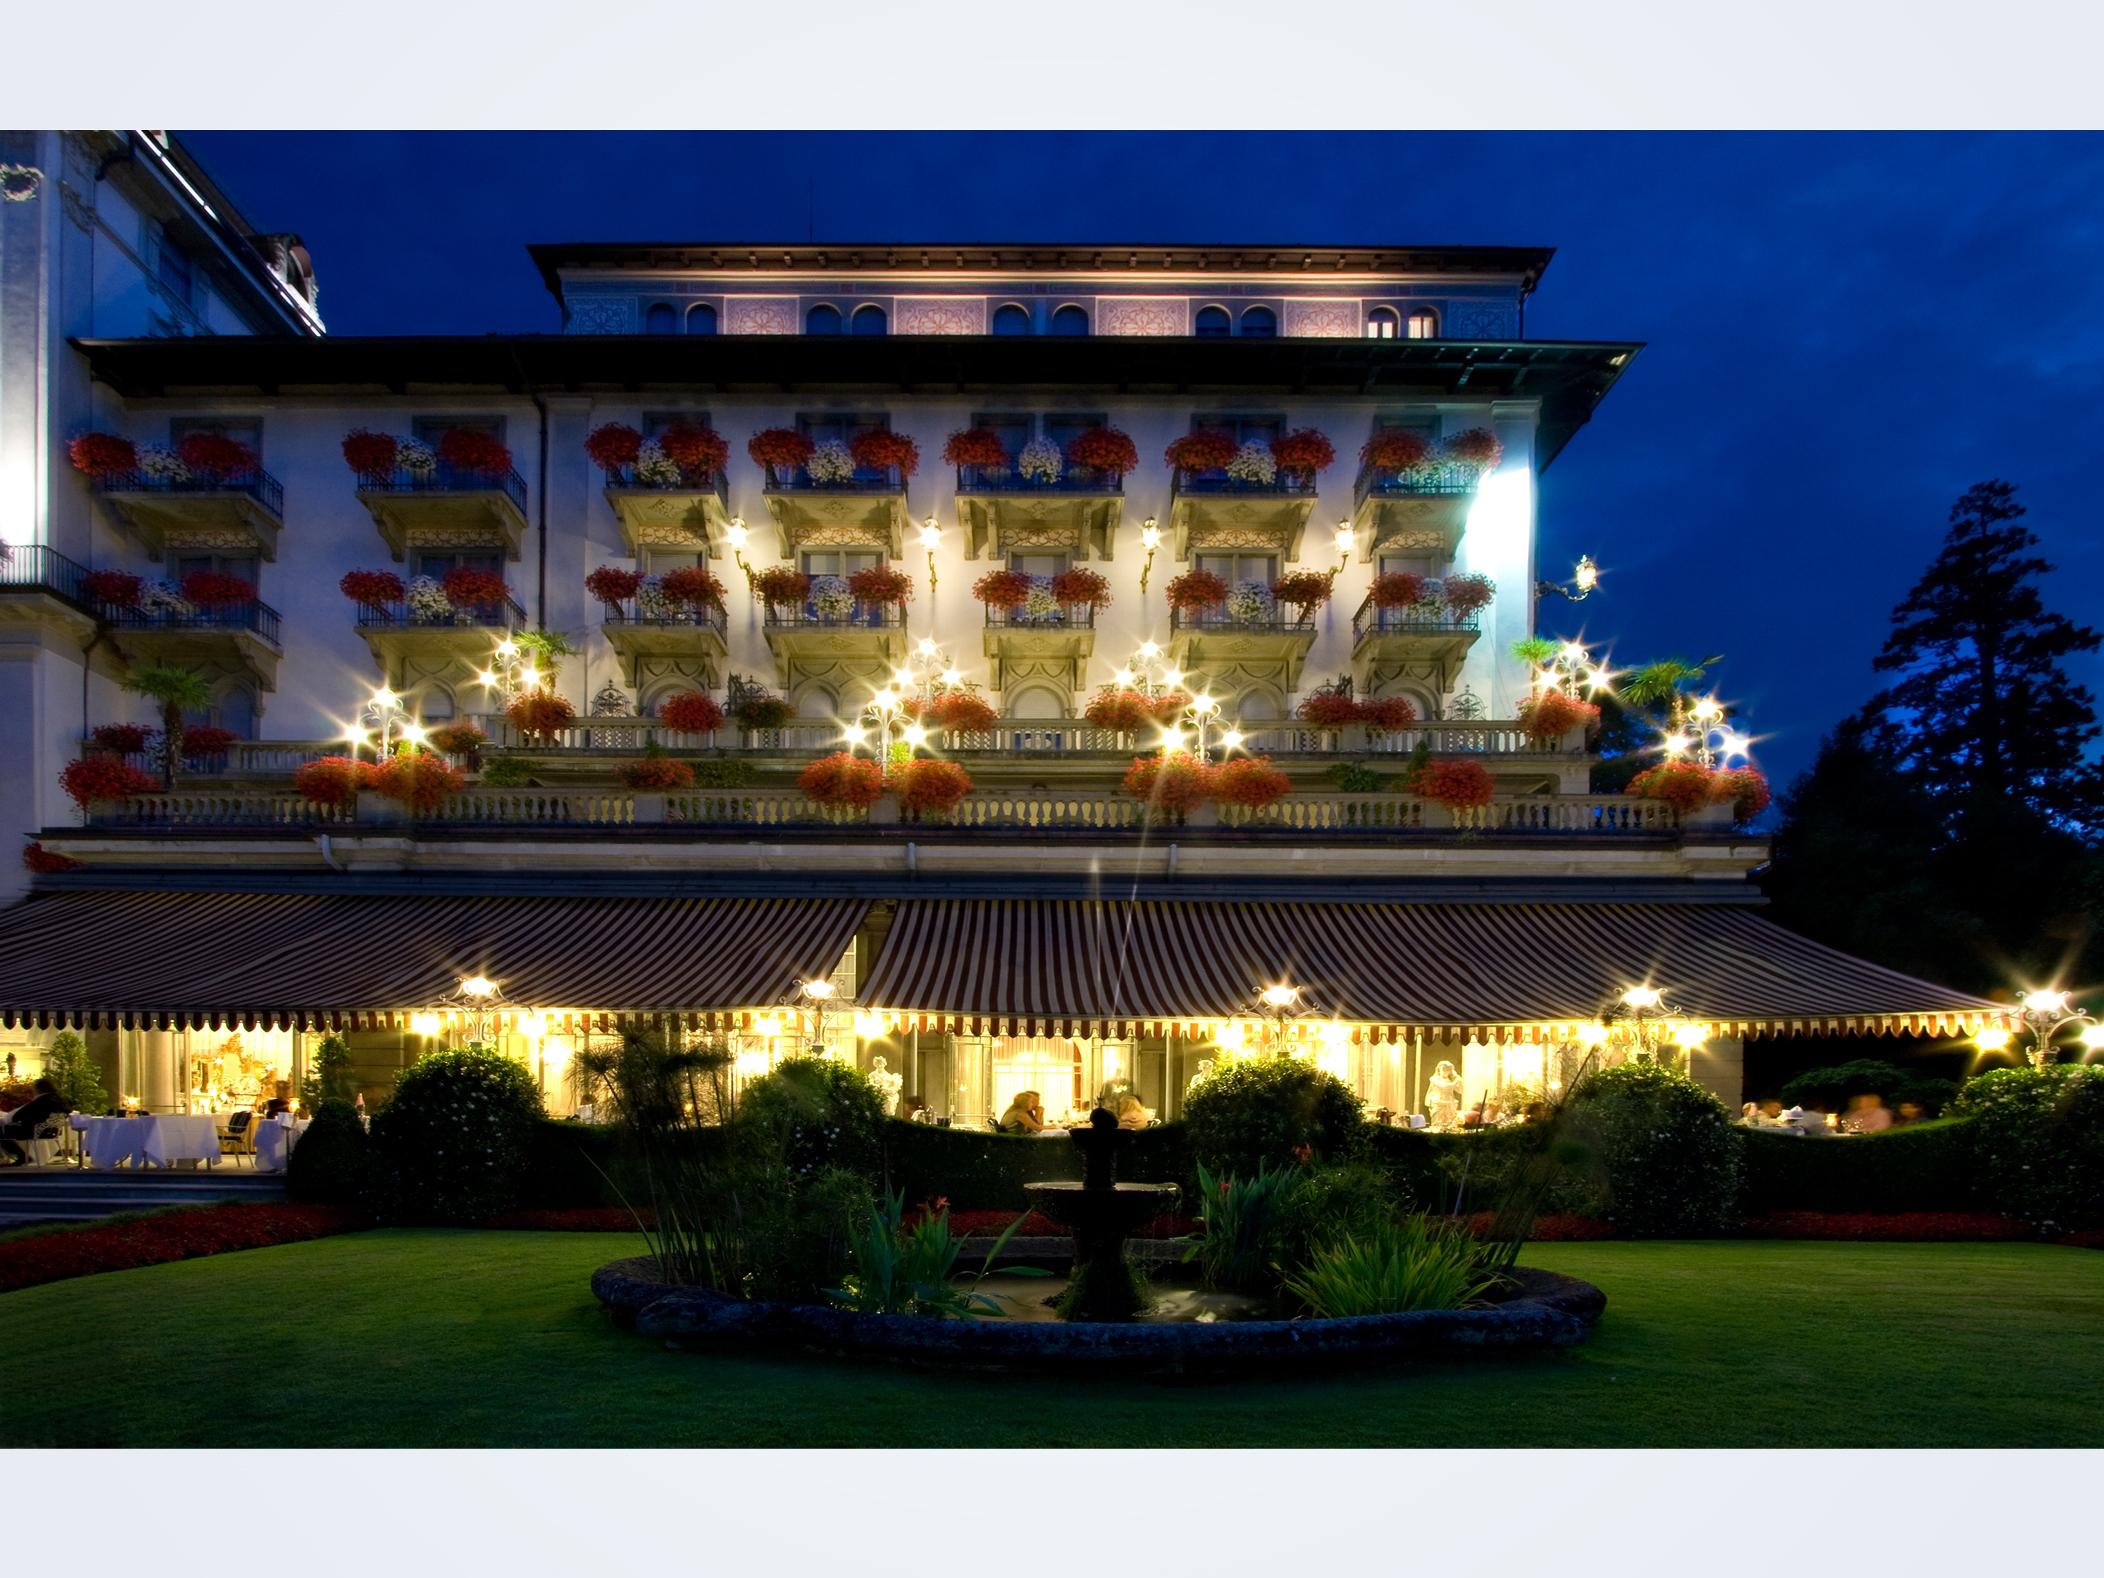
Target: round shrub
{"type": "Point", "coordinates": [820, 1112]}
{"type": "Point", "coordinates": [1829, 1088]}
{"type": "Point", "coordinates": [332, 1162]}
{"type": "Point", "coordinates": [2038, 1142]}
{"type": "Point", "coordinates": [1656, 1154]}
{"type": "Point", "coordinates": [1272, 1111]}
{"type": "Point", "coordinates": [455, 1138]}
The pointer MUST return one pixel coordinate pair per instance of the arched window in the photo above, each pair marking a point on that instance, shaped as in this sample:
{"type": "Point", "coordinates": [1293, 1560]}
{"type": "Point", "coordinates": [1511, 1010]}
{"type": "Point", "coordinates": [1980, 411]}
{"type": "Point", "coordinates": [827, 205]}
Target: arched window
{"type": "Point", "coordinates": [1423, 324]}
{"type": "Point", "coordinates": [822, 319]}
{"type": "Point", "coordinates": [237, 711]}
{"type": "Point", "coordinates": [660, 319]}
{"type": "Point", "coordinates": [1212, 323]}
{"type": "Point", "coordinates": [1011, 319]}
{"type": "Point", "coordinates": [1036, 704]}
{"type": "Point", "coordinates": [1259, 323]}
{"type": "Point", "coordinates": [1382, 324]}
{"type": "Point", "coordinates": [1070, 320]}
{"type": "Point", "coordinates": [869, 320]}
{"type": "Point", "coordinates": [816, 703]}
{"type": "Point", "coordinates": [701, 318]}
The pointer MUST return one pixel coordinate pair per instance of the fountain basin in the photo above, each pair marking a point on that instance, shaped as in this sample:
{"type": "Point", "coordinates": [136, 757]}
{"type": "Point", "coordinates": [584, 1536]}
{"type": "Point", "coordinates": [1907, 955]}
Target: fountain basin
{"type": "Point", "coordinates": [1099, 1215]}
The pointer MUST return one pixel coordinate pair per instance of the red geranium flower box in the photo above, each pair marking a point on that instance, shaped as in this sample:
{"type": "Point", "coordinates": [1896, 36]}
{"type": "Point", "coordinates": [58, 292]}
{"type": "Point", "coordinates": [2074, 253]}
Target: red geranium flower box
{"type": "Point", "coordinates": [880, 450]}
{"type": "Point", "coordinates": [372, 586]}
{"type": "Point", "coordinates": [331, 780]}
{"type": "Point", "coordinates": [1176, 783]}
{"type": "Point", "coordinates": [1387, 712]}
{"type": "Point", "coordinates": [217, 458]}
{"type": "Point", "coordinates": [698, 451]}
{"type": "Point", "coordinates": [842, 782]}
{"type": "Point", "coordinates": [458, 739]}
{"type": "Point", "coordinates": [1104, 449]}
{"type": "Point", "coordinates": [371, 454]}
{"type": "Point", "coordinates": [782, 584]}
{"type": "Point", "coordinates": [102, 454]}
{"type": "Point", "coordinates": [780, 448]}
{"type": "Point", "coordinates": [121, 739]}
{"type": "Point", "coordinates": [1549, 715]}
{"type": "Point", "coordinates": [691, 712]}
{"type": "Point", "coordinates": [46, 862]}
{"type": "Point", "coordinates": [1303, 452]}
{"type": "Point", "coordinates": [471, 450]}
{"type": "Point", "coordinates": [98, 777]}
{"type": "Point", "coordinates": [1195, 591]}
{"type": "Point", "coordinates": [1306, 590]}
{"type": "Point", "coordinates": [118, 588]}
{"type": "Point", "coordinates": [661, 774]}
{"type": "Point", "coordinates": [420, 781]}
{"type": "Point", "coordinates": [1478, 448]}
{"type": "Point", "coordinates": [613, 445]}
{"type": "Point", "coordinates": [205, 739]}
{"type": "Point", "coordinates": [974, 446]}
{"type": "Point", "coordinates": [961, 712]}
{"type": "Point", "coordinates": [1250, 782]}
{"type": "Point", "coordinates": [1002, 588]}
{"type": "Point", "coordinates": [1456, 783]}
{"type": "Point", "coordinates": [540, 714]}
{"type": "Point", "coordinates": [1327, 709]}
{"type": "Point", "coordinates": [217, 589]}
{"type": "Point", "coordinates": [692, 585]}
{"type": "Point", "coordinates": [1396, 589]}
{"type": "Point", "coordinates": [1685, 786]}
{"type": "Point", "coordinates": [1394, 450]}
{"type": "Point", "coordinates": [612, 585]}
{"type": "Point", "coordinates": [467, 587]}
{"type": "Point", "coordinates": [1079, 588]}
{"type": "Point", "coordinates": [928, 787]}
{"type": "Point", "coordinates": [1208, 449]}
{"type": "Point", "coordinates": [880, 584]}
{"type": "Point", "coordinates": [763, 712]}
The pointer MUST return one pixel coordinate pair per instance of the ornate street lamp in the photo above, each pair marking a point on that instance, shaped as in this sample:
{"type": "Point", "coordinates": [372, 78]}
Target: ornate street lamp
{"type": "Point", "coordinates": [2045, 1013]}
{"type": "Point", "coordinates": [1585, 578]}
{"type": "Point", "coordinates": [384, 719]}
{"type": "Point", "coordinates": [737, 535]}
{"type": "Point", "coordinates": [1643, 1023]}
{"type": "Point", "coordinates": [1150, 539]}
{"type": "Point", "coordinates": [931, 539]}
{"type": "Point", "coordinates": [1701, 732]}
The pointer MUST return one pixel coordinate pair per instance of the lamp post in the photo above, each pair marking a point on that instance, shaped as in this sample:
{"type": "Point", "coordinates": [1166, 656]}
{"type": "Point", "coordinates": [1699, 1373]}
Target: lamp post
{"type": "Point", "coordinates": [1150, 539]}
{"type": "Point", "coordinates": [2045, 1012]}
{"type": "Point", "coordinates": [384, 717]}
{"type": "Point", "coordinates": [1346, 540]}
{"type": "Point", "coordinates": [1584, 579]}
{"type": "Point", "coordinates": [1641, 1015]}
{"type": "Point", "coordinates": [737, 535]}
{"type": "Point", "coordinates": [931, 539]}
{"type": "Point", "coordinates": [1701, 732]}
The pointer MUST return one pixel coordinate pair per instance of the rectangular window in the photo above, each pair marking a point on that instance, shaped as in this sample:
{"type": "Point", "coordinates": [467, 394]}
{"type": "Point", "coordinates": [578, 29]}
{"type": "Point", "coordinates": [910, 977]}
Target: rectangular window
{"type": "Point", "coordinates": [1425, 424]}
{"type": "Point", "coordinates": [658, 561]}
{"type": "Point", "coordinates": [172, 268]}
{"type": "Point", "coordinates": [1014, 428]}
{"type": "Point", "coordinates": [242, 430]}
{"type": "Point", "coordinates": [433, 428]}
{"type": "Point", "coordinates": [1038, 563]}
{"type": "Point", "coordinates": [1235, 568]}
{"type": "Point", "coordinates": [241, 564]}
{"type": "Point", "coordinates": [1063, 427]}
{"type": "Point", "coordinates": [655, 422]}
{"type": "Point", "coordinates": [819, 426]}
{"type": "Point", "coordinates": [1408, 564]}
{"type": "Point", "coordinates": [1248, 429]}
{"type": "Point", "coordinates": [435, 562]}
{"type": "Point", "coordinates": [840, 561]}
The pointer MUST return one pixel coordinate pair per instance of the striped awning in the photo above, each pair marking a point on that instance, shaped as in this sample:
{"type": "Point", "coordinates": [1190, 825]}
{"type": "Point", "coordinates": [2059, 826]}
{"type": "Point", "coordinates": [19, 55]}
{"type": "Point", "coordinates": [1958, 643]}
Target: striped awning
{"type": "Point", "coordinates": [1501, 970]}
{"type": "Point", "coordinates": [162, 959]}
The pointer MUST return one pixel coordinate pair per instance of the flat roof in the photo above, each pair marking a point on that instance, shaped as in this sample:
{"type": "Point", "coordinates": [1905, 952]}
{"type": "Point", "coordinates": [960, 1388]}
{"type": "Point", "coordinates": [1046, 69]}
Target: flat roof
{"type": "Point", "coordinates": [1569, 378]}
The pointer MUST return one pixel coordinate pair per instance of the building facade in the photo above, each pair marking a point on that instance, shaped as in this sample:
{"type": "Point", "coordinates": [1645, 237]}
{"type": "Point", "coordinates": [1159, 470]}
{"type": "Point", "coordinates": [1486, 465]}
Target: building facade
{"type": "Point", "coordinates": [1296, 487]}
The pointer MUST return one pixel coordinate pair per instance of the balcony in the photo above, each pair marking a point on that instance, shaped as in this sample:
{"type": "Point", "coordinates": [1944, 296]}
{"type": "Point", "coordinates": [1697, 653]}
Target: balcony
{"type": "Point", "coordinates": [40, 588]}
{"type": "Point", "coordinates": [1000, 511]}
{"type": "Point", "coordinates": [690, 513]}
{"type": "Point", "coordinates": [1210, 510]}
{"type": "Point", "coordinates": [1231, 651]}
{"type": "Point", "coordinates": [235, 513]}
{"type": "Point", "coordinates": [445, 508]}
{"type": "Point", "coordinates": [848, 653]}
{"type": "Point", "coordinates": [410, 646]}
{"type": "Point", "coordinates": [239, 636]}
{"type": "Point", "coordinates": [1422, 511]}
{"type": "Point", "coordinates": [866, 510]}
{"type": "Point", "coordinates": [1412, 642]}
{"type": "Point", "coordinates": [685, 642]}
{"type": "Point", "coordinates": [1055, 646]}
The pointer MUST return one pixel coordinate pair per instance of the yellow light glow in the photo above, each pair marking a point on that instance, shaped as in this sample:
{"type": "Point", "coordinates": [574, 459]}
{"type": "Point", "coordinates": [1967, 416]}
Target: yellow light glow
{"type": "Point", "coordinates": [853, 733]}
{"type": "Point", "coordinates": [1336, 1033]}
{"type": "Point", "coordinates": [1593, 1035]}
{"type": "Point", "coordinates": [952, 677]}
{"type": "Point", "coordinates": [1346, 537]}
{"type": "Point", "coordinates": [2093, 1037]}
{"type": "Point", "coordinates": [818, 988]}
{"type": "Point", "coordinates": [534, 1027]}
{"type": "Point", "coordinates": [487, 679]}
{"type": "Point", "coordinates": [1734, 744]}
{"type": "Point", "coordinates": [425, 1024]}
{"type": "Point", "coordinates": [1280, 996]}
{"type": "Point", "coordinates": [1642, 997]}
{"type": "Point", "coordinates": [530, 677]}
{"type": "Point", "coordinates": [1232, 739]}
{"type": "Point", "coordinates": [1991, 1038]}
{"type": "Point", "coordinates": [767, 1025]}
{"type": "Point", "coordinates": [1172, 738]}
{"type": "Point", "coordinates": [1172, 677]}
{"type": "Point", "coordinates": [1689, 1036]}
{"type": "Point", "coordinates": [736, 533]}
{"type": "Point", "coordinates": [916, 735]}
{"type": "Point", "coordinates": [1574, 653]}
{"type": "Point", "coordinates": [869, 1026]}
{"type": "Point", "coordinates": [1149, 650]}
{"type": "Point", "coordinates": [2044, 1001]}
{"type": "Point", "coordinates": [1587, 575]}
{"type": "Point", "coordinates": [931, 535]}
{"type": "Point", "coordinates": [1124, 678]}
{"type": "Point", "coordinates": [1150, 536]}
{"type": "Point", "coordinates": [414, 733]}
{"type": "Point", "coordinates": [885, 700]}
{"type": "Point", "coordinates": [1677, 744]}
{"type": "Point", "coordinates": [1204, 705]}
{"type": "Point", "coordinates": [385, 699]}
{"type": "Point", "coordinates": [1232, 1034]}
{"type": "Point", "coordinates": [477, 986]}
{"type": "Point", "coordinates": [1707, 710]}
{"type": "Point", "coordinates": [507, 647]}
{"type": "Point", "coordinates": [903, 678]}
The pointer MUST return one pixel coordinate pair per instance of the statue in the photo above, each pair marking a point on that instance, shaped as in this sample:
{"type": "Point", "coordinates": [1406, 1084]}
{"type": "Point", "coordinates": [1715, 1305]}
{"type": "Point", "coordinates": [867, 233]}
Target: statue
{"type": "Point", "coordinates": [1205, 1072]}
{"type": "Point", "coordinates": [888, 1084]}
{"type": "Point", "coordinates": [1443, 1097]}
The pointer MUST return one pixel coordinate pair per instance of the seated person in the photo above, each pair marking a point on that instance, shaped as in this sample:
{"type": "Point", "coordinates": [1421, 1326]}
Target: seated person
{"type": "Point", "coordinates": [1132, 1112]}
{"type": "Point", "coordinates": [23, 1123]}
{"type": "Point", "coordinates": [1867, 1114]}
{"type": "Point", "coordinates": [1025, 1114]}
{"type": "Point", "coordinates": [1910, 1112]}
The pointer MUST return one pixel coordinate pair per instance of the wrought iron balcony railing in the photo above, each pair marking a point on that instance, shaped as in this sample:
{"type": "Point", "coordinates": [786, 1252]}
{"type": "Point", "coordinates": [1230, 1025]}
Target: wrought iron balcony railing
{"type": "Point", "coordinates": [864, 479]}
{"type": "Point", "coordinates": [663, 615]}
{"type": "Point", "coordinates": [1285, 483]}
{"type": "Point", "coordinates": [861, 616]}
{"type": "Point", "coordinates": [1411, 619]}
{"type": "Point", "coordinates": [1065, 616]}
{"type": "Point", "coordinates": [1006, 479]}
{"type": "Point", "coordinates": [252, 615]}
{"type": "Point", "coordinates": [1432, 480]}
{"type": "Point", "coordinates": [258, 484]}
{"type": "Point", "coordinates": [31, 566]}
{"type": "Point", "coordinates": [446, 479]}
{"type": "Point", "coordinates": [400, 614]}
{"type": "Point", "coordinates": [688, 482]}
{"type": "Point", "coordinates": [1274, 620]}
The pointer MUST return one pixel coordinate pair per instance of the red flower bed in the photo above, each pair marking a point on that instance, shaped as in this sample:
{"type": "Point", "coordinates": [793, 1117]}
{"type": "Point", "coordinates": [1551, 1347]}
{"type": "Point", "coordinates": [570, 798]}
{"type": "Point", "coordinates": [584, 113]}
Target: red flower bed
{"type": "Point", "coordinates": [467, 587]}
{"type": "Point", "coordinates": [458, 739]}
{"type": "Point", "coordinates": [691, 712]}
{"type": "Point", "coordinates": [1126, 711]}
{"type": "Point", "coordinates": [763, 712]}
{"type": "Point", "coordinates": [1327, 709]}
{"type": "Point", "coordinates": [613, 445]}
{"type": "Point", "coordinates": [660, 773]}
{"type": "Point", "coordinates": [841, 780]}
{"type": "Point", "coordinates": [928, 787]}
{"type": "Point", "coordinates": [124, 739]}
{"type": "Point", "coordinates": [1556, 1228]}
{"type": "Point", "coordinates": [421, 782]}
{"type": "Point", "coordinates": [1249, 781]}
{"type": "Point", "coordinates": [1394, 450]}
{"type": "Point", "coordinates": [974, 446]}
{"type": "Point", "coordinates": [692, 585]}
{"type": "Point", "coordinates": [879, 449]}
{"type": "Point", "coordinates": [1306, 590]}
{"type": "Point", "coordinates": [204, 739]}
{"type": "Point", "coordinates": [217, 458]}
{"type": "Point", "coordinates": [372, 586]}
{"type": "Point", "coordinates": [1002, 588]}
{"type": "Point", "coordinates": [1195, 591]}
{"type": "Point", "coordinates": [45, 862]}
{"type": "Point", "coordinates": [1746, 788]}
{"type": "Point", "coordinates": [332, 780]}
{"type": "Point", "coordinates": [1396, 589]}
{"type": "Point", "coordinates": [1104, 449]}
{"type": "Point", "coordinates": [1208, 449]}
{"type": "Point", "coordinates": [698, 451]}
{"type": "Point", "coordinates": [1904, 1227]}
{"type": "Point", "coordinates": [1387, 712]}
{"type": "Point", "coordinates": [1303, 452]}
{"type": "Point", "coordinates": [217, 589]}
{"type": "Point", "coordinates": [539, 713]}
{"type": "Point", "coordinates": [1685, 786]}
{"type": "Point", "coordinates": [782, 584]}
{"type": "Point", "coordinates": [880, 584]}
{"type": "Point", "coordinates": [1547, 716]}
{"type": "Point", "coordinates": [1478, 448]}
{"type": "Point", "coordinates": [612, 585]}
{"type": "Point", "coordinates": [472, 450]}
{"type": "Point", "coordinates": [780, 448]}
{"type": "Point", "coordinates": [157, 1239]}
{"type": "Point", "coordinates": [97, 777]}
{"type": "Point", "coordinates": [118, 588]}
{"type": "Point", "coordinates": [1081, 588]}
{"type": "Point", "coordinates": [1454, 782]}
{"type": "Point", "coordinates": [1177, 783]}
{"type": "Point", "coordinates": [1468, 594]}
{"type": "Point", "coordinates": [960, 711]}
{"type": "Point", "coordinates": [371, 454]}
{"type": "Point", "coordinates": [102, 454]}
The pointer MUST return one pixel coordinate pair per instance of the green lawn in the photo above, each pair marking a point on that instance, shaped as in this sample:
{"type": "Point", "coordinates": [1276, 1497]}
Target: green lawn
{"type": "Point", "coordinates": [493, 1339]}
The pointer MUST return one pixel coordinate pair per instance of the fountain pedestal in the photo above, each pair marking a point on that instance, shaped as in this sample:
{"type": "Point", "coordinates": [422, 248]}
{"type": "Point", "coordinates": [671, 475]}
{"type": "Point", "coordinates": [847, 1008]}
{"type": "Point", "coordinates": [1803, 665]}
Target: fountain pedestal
{"type": "Point", "coordinates": [1100, 1212]}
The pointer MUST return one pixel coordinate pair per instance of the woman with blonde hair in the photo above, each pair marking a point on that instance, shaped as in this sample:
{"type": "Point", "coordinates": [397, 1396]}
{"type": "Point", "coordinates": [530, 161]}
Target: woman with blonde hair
{"type": "Point", "coordinates": [1025, 1114]}
{"type": "Point", "coordinates": [1132, 1112]}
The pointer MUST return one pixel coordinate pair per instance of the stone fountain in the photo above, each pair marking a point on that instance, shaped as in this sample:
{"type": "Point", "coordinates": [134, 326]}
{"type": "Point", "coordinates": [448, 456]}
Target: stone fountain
{"type": "Point", "coordinates": [1099, 1211]}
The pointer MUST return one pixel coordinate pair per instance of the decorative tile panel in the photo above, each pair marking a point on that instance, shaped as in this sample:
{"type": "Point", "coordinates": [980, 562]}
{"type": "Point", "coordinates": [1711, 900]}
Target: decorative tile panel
{"type": "Point", "coordinates": [759, 315]}
{"type": "Point", "coordinates": [939, 315]}
{"type": "Point", "coordinates": [1143, 315]}
{"type": "Point", "coordinates": [1323, 320]}
{"type": "Point", "coordinates": [603, 315]}
{"type": "Point", "coordinates": [1481, 320]}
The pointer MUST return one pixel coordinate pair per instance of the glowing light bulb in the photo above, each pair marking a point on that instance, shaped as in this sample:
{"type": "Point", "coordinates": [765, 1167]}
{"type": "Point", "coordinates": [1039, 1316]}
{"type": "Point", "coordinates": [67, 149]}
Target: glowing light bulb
{"type": "Point", "coordinates": [1990, 1038]}
{"type": "Point", "coordinates": [885, 700]}
{"type": "Point", "coordinates": [1587, 575]}
{"type": "Point", "coordinates": [1148, 649]}
{"type": "Point", "coordinates": [952, 677]}
{"type": "Point", "coordinates": [1232, 739]}
{"type": "Point", "coordinates": [1573, 652]}
{"type": "Point", "coordinates": [767, 1025]}
{"type": "Point", "coordinates": [1677, 744]}
{"type": "Point", "coordinates": [1642, 997]}
{"type": "Point", "coordinates": [1203, 704]}
{"type": "Point", "coordinates": [529, 676]}
{"type": "Point", "coordinates": [853, 733]}
{"type": "Point", "coordinates": [931, 536]}
{"type": "Point", "coordinates": [1172, 737]}
{"type": "Point", "coordinates": [1346, 537]}
{"type": "Point", "coordinates": [386, 699]}
{"type": "Point", "coordinates": [916, 735]}
{"type": "Point", "coordinates": [818, 988]}
{"type": "Point", "coordinates": [414, 733]}
{"type": "Point", "coordinates": [869, 1026]}
{"type": "Point", "coordinates": [1124, 678]}
{"type": "Point", "coordinates": [1708, 709]}
{"type": "Point", "coordinates": [477, 986]}
{"type": "Point", "coordinates": [2044, 1001]}
{"type": "Point", "coordinates": [1689, 1036]}
{"type": "Point", "coordinates": [903, 678]}
{"type": "Point", "coordinates": [1593, 1034]}
{"type": "Point", "coordinates": [2092, 1037]}
{"type": "Point", "coordinates": [1232, 1034]}
{"type": "Point", "coordinates": [535, 1027]}
{"type": "Point", "coordinates": [927, 647]}
{"type": "Point", "coordinates": [1150, 535]}
{"type": "Point", "coordinates": [487, 679]}
{"type": "Point", "coordinates": [1172, 677]}
{"type": "Point", "coordinates": [1280, 996]}
{"type": "Point", "coordinates": [1733, 744]}
{"type": "Point", "coordinates": [425, 1024]}
{"type": "Point", "coordinates": [507, 647]}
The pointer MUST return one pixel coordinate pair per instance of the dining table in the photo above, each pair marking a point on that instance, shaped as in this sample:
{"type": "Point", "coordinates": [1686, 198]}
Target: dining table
{"type": "Point", "coordinates": [153, 1140]}
{"type": "Point", "coordinates": [275, 1138]}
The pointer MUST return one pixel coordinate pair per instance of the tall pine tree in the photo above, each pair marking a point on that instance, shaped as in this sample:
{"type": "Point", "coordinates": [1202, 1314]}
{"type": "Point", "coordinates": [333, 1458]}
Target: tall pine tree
{"type": "Point", "coordinates": [1981, 712]}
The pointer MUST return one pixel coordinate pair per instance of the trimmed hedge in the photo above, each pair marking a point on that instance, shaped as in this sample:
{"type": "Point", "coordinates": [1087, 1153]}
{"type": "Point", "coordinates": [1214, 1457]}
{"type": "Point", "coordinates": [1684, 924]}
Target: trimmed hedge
{"type": "Point", "coordinates": [568, 1165]}
{"type": "Point", "coordinates": [1923, 1167]}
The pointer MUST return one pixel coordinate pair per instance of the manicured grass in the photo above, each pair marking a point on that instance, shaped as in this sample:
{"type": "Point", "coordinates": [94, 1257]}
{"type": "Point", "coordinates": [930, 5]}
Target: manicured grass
{"type": "Point", "coordinates": [492, 1339]}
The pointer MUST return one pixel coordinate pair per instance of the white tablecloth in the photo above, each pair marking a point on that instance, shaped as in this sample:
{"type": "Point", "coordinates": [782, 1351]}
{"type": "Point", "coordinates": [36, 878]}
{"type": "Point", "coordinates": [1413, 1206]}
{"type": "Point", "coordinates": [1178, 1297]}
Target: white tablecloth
{"type": "Point", "coordinates": [104, 1142]}
{"type": "Point", "coordinates": [275, 1139]}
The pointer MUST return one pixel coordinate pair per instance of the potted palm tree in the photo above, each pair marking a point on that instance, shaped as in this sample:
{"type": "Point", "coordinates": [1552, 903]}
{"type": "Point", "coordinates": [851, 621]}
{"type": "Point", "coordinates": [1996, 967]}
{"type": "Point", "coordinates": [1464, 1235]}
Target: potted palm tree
{"type": "Point", "coordinates": [178, 690]}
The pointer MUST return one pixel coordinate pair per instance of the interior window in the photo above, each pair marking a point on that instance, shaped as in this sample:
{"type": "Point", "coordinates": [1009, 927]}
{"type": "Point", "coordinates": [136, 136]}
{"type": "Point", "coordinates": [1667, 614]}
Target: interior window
{"type": "Point", "coordinates": [1234, 568]}
{"type": "Point", "coordinates": [1011, 319]}
{"type": "Point", "coordinates": [1013, 428]}
{"type": "Point", "coordinates": [657, 561]}
{"type": "Point", "coordinates": [660, 319]}
{"type": "Point", "coordinates": [1211, 323]}
{"type": "Point", "coordinates": [701, 318]}
{"type": "Point", "coordinates": [655, 422]}
{"type": "Point", "coordinates": [1247, 429]}
{"type": "Point", "coordinates": [240, 430]}
{"type": "Point", "coordinates": [820, 426]}
{"type": "Point", "coordinates": [1425, 424]}
{"type": "Point", "coordinates": [1063, 427]}
{"type": "Point", "coordinates": [237, 711]}
{"type": "Point", "coordinates": [1038, 563]}
{"type": "Point", "coordinates": [839, 561]}
{"type": "Point", "coordinates": [1381, 324]}
{"type": "Point", "coordinates": [1070, 320]}
{"type": "Point", "coordinates": [869, 320]}
{"type": "Point", "coordinates": [1259, 323]}
{"type": "Point", "coordinates": [244, 565]}
{"type": "Point", "coordinates": [822, 319]}
{"type": "Point", "coordinates": [1424, 324]}
{"type": "Point", "coordinates": [432, 428]}
{"type": "Point", "coordinates": [435, 562]}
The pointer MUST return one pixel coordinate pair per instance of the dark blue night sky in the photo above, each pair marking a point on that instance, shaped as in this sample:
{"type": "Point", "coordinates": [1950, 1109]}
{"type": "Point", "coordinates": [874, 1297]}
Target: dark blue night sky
{"type": "Point", "coordinates": [1844, 332]}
